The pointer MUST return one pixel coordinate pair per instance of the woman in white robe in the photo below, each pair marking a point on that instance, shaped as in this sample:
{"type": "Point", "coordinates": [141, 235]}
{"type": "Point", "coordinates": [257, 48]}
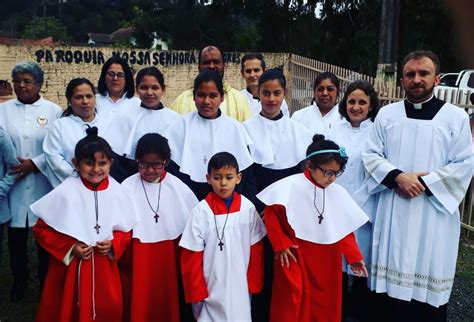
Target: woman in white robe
{"type": "Point", "coordinates": [26, 119]}
{"type": "Point", "coordinates": [323, 114]}
{"type": "Point", "coordinates": [65, 132]}
{"type": "Point", "coordinates": [117, 104]}
{"type": "Point", "coordinates": [359, 107]}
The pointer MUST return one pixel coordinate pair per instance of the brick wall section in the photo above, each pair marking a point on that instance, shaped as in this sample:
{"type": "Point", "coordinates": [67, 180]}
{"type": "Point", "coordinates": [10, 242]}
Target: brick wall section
{"type": "Point", "coordinates": [61, 64]}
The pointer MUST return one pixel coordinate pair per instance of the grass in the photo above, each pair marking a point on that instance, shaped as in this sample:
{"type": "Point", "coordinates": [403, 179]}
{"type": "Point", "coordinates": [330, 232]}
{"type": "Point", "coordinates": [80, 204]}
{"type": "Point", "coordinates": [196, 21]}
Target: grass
{"type": "Point", "coordinates": [24, 311]}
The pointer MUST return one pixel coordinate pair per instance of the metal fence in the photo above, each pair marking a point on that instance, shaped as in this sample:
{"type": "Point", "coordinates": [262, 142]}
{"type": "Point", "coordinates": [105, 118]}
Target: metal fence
{"type": "Point", "coordinates": [303, 71]}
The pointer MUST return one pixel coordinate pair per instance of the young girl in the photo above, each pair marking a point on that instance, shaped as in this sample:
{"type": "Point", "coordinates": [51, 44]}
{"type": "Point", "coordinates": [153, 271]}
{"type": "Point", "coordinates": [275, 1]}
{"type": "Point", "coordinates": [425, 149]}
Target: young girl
{"type": "Point", "coordinates": [164, 204]}
{"type": "Point", "coordinates": [279, 148]}
{"type": "Point", "coordinates": [61, 138]}
{"type": "Point", "coordinates": [322, 115]}
{"type": "Point", "coordinates": [310, 222]}
{"type": "Point", "coordinates": [206, 132]}
{"type": "Point", "coordinates": [222, 252]}
{"type": "Point", "coordinates": [152, 117]}
{"type": "Point", "coordinates": [83, 224]}
{"type": "Point", "coordinates": [279, 143]}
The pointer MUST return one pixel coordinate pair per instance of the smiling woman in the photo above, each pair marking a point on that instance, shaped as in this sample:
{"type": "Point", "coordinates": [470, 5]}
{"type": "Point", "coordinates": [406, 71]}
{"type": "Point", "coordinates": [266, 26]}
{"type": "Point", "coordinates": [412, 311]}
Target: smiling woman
{"type": "Point", "coordinates": [70, 128]}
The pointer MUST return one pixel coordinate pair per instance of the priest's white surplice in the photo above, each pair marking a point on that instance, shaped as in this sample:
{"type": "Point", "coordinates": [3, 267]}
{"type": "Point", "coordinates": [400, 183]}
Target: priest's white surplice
{"type": "Point", "coordinates": [415, 241]}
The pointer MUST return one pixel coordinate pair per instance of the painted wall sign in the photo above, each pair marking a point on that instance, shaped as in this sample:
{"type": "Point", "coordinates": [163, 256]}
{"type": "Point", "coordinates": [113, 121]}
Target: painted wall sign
{"type": "Point", "coordinates": [133, 57]}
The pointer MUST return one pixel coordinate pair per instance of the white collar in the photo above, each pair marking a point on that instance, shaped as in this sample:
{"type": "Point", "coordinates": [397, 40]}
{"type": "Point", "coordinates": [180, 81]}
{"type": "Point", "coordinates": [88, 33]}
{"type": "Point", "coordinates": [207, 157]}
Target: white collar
{"type": "Point", "coordinates": [419, 106]}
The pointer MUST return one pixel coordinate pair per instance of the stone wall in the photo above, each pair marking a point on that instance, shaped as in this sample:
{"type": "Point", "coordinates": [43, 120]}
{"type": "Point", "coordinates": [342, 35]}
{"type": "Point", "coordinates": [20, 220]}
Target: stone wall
{"type": "Point", "coordinates": [61, 64]}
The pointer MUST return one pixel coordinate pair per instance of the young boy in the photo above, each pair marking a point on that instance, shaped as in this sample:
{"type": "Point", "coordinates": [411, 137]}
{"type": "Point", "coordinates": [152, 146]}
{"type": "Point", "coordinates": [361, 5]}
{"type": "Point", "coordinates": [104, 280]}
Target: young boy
{"type": "Point", "coordinates": [222, 257]}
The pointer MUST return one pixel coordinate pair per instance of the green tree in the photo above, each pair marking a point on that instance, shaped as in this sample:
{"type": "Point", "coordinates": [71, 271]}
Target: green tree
{"type": "Point", "coordinates": [39, 28]}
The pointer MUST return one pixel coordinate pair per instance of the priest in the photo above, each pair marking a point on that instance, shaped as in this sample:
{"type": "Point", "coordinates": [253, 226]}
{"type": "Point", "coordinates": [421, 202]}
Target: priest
{"type": "Point", "coordinates": [419, 161]}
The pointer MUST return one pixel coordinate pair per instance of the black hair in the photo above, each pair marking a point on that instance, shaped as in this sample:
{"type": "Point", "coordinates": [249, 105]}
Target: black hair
{"type": "Point", "coordinates": [71, 86]}
{"type": "Point", "coordinates": [208, 75]}
{"type": "Point", "coordinates": [251, 56]}
{"type": "Point", "coordinates": [91, 144]}
{"type": "Point", "coordinates": [369, 90]}
{"type": "Point", "coordinates": [326, 75]}
{"type": "Point", "coordinates": [417, 54]}
{"type": "Point", "coordinates": [153, 143]}
{"type": "Point", "coordinates": [209, 47]}
{"type": "Point", "coordinates": [222, 160]}
{"type": "Point", "coordinates": [273, 74]}
{"type": "Point", "coordinates": [129, 87]}
{"type": "Point", "coordinates": [150, 71]}
{"type": "Point", "coordinates": [320, 143]}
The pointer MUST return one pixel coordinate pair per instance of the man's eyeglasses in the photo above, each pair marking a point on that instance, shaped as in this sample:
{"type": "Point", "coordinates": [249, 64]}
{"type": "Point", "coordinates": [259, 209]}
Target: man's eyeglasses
{"type": "Point", "coordinates": [154, 165]}
{"type": "Point", "coordinates": [330, 173]}
{"type": "Point", "coordinates": [112, 74]}
{"type": "Point", "coordinates": [24, 81]}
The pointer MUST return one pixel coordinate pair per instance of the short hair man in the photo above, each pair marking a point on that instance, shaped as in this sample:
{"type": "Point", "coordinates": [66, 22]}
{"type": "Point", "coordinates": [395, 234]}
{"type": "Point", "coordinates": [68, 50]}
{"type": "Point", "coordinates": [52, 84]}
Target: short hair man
{"type": "Point", "coordinates": [419, 159]}
{"type": "Point", "coordinates": [252, 66]}
{"type": "Point", "coordinates": [235, 105]}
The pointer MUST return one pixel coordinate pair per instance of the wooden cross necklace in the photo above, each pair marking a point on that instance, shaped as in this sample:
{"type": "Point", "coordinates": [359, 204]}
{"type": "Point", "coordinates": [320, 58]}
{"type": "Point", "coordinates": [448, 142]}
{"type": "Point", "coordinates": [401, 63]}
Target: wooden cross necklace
{"type": "Point", "coordinates": [221, 237]}
{"type": "Point", "coordinates": [320, 212]}
{"type": "Point", "coordinates": [96, 199]}
{"type": "Point", "coordinates": [156, 216]}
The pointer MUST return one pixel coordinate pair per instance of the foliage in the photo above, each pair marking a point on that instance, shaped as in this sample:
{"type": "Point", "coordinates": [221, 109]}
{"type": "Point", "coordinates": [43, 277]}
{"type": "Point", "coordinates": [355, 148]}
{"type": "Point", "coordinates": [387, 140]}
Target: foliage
{"type": "Point", "coordinates": [340, 32]}
{"type": "Point", "coordinates": [39, 28]}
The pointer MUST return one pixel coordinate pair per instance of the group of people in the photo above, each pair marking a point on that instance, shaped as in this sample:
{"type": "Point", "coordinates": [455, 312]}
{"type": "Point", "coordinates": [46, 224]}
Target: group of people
{"type": "Point", "coordinates": [225, 202]}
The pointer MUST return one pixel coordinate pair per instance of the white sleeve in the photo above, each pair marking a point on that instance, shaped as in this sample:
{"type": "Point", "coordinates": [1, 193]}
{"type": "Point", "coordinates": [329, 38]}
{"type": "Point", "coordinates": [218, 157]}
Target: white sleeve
{"type": "Point", "coordinates": [58, 168]}
{"type": "Point", "coordinates": [193, 237]}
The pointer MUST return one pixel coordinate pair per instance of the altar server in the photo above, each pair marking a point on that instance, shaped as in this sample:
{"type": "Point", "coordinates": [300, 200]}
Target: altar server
{"type": "Point", "coordinates": [310, 222]}
{"type": "Point", "coordinates": [164, 204]}
{"type": "Point", "coordinates": [205, 132]}
{"type": "Point", "coordinates": [85, 226]}
{"type": "Point", "coordinates": [153, 116]}
{"type": "Point", "coordinates": [222, 250]}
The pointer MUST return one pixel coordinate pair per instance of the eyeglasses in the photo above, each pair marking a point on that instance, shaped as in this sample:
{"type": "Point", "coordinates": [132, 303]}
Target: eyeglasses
{"type": "Point", "coordinates": [330, 173]}
{"type": "Point", "coordinates": [154, 165]}
{"type": "Point", "coordinates": [27, 82]}
{"type": "Point", "coordinates": [329, 88]}
{"type": "Point", "coordinates": [112, 74]}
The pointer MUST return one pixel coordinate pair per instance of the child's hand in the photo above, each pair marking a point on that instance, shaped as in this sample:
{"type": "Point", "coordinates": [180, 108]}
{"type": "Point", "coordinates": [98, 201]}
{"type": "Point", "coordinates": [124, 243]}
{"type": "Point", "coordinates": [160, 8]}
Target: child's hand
{"type": "Point", "coordinates": [82, 251]}
{"type": "Point", "coordinates": [284, 256]}
{"type": "Point", "coordinates": [359, 269]}
{"type": "Point", "coordinates": [104, 246]}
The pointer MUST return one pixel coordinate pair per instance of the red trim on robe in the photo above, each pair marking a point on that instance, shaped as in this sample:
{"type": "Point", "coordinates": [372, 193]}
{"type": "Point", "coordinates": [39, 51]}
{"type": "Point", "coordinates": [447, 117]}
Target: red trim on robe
{"type": "Point", "coordinates": [309, 290]}
{"type": "Point", "coordinates": [62, 290]}
{"type": "Point", "coordinates": [218, 205]}
{"type": "Point", "coordinates": [255, 268]}
{"type": "Point", "coordinates": [308, 176]}
{"type": "Point", "coordinates": [192, 271]}
{"type": "Point", "coordinates": [104, 184]}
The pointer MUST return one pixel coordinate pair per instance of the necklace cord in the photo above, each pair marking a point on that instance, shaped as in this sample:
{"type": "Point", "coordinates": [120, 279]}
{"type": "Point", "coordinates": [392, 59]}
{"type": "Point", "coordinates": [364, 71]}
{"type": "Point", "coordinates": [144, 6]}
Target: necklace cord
{"type": "Point", "coordinates": [148, 200]}
{"type": "Point", "coordinates": [220, 238]}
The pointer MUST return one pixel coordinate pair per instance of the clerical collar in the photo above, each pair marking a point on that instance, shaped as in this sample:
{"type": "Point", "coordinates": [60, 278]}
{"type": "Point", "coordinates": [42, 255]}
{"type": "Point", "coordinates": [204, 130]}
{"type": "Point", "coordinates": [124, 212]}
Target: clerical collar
{"type": "Point", "coordinates": [254, 97]}
{"type": "Point", "coordinates": [308, 176]}
{"type": "Point", "coordinates": [219, 113]}
{"type": "Point", "coordinates": [276, 118]}
{"type": "Point", "coordinates": [419, 106]}
{"type": "Point", "coordinates": [101, 186]}
{"type": "Point", "coordinates": [160, 107]}
{"type": "Point", "coordinates": [428, 109]}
